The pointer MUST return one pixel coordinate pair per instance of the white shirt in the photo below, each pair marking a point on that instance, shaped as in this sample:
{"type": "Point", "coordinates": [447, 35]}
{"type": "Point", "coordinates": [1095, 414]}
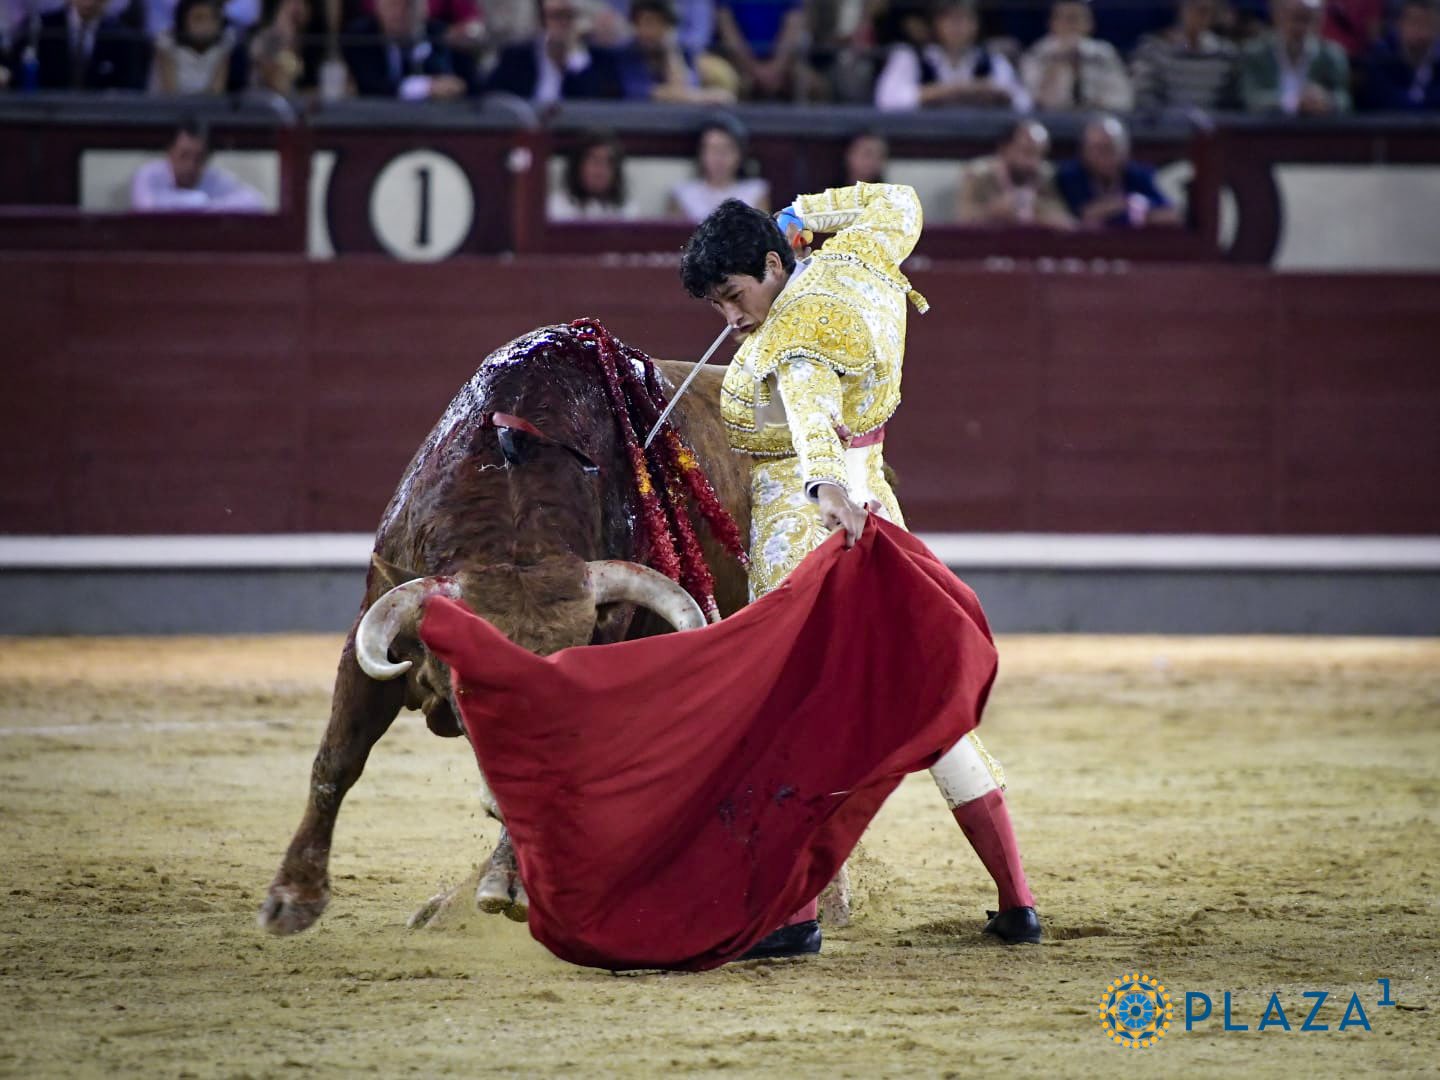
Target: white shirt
{"type": "Point", "coordinates": [194, 72]}
{"type": "Point", "coordinates": [899, 84]}
{"type": "Point", "coordinates": [84, 33]}
{"type": "Point", "coordinates": [1294, 77]}
{"type": "Point", "coordinates": [696, 199]}
{"type": "Point", "coordinates": [551, 80]}
{"type": "Point", "coordinates": [559, 206]}
{"type": "Point", "coordinates": [154, 188]}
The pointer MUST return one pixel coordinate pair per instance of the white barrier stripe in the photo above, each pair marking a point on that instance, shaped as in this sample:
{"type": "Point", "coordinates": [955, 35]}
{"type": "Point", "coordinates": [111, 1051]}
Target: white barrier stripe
{"type": "Point", "coordinates": [965, 551]}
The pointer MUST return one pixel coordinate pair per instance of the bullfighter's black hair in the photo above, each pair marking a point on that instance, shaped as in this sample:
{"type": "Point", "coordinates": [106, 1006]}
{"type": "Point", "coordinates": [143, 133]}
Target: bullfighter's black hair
{"type": "Point", "coordinates": [734, 239]}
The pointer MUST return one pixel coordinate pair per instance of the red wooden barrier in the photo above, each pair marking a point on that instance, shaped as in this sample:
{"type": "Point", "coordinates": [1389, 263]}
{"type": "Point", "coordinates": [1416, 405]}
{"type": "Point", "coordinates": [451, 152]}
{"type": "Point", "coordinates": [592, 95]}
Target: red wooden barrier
{"type": "Point", "coordinates": [262, 393]}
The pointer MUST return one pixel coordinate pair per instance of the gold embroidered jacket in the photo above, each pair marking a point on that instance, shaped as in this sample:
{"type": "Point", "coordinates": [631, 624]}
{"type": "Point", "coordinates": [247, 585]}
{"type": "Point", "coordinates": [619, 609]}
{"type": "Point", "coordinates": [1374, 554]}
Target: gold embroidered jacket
{"type": "Point", "coordinates": [829, 353]}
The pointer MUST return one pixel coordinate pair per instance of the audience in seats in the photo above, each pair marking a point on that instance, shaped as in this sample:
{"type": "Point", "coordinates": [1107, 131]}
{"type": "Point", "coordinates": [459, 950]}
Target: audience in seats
{"type": "Point", "coordinates": [765, 41]}
{"type": "Point", "coordinates": [1354, 25]}
{"type": "Point", "coordinates": [1070, 69]}
{"type": "Point", "coordinates": [184, 180]}
{"type": "Point", "coordinates": [277, 50]}
{"type": "Point", "coordinates": [558, 63]}
{"type": "Point", "coordinates": [719, 163]}
{"type": "Point", "coordinates": [867, 156]}
{"type": "Point", "coordinates": [953, 69]}
{"type": "Point", "coordinates": [199, 54]}
{"type": "Point", "coordinates": [654, 66]}
{"type": "Point", "coordinates": [1104, 189]}
{"type": "Point", "coordinates": [1015, 185]}
{"type": "Point", "coordinates": [1189, 66]}
{"type": "Point", "coordinates": [593, 187]}
{"type": "Point", "coordinates": [400, 53]}
{"type": "Point", "coordinates": [80, 47]}
{"type": "Point", "coordinates": [1402, 74]}
{"type": "Point", "coordinates": [1292, 69]}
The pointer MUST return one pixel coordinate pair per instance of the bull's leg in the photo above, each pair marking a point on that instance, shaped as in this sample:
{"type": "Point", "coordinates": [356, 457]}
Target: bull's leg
{"type": "Point", "coordinates": [500, 890]}
{"type": "Point", "coordinates": [360, 712]}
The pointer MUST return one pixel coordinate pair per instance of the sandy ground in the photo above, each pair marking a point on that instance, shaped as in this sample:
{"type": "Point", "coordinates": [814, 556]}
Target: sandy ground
{"type": "Point", "coordinates": [1255, 816]}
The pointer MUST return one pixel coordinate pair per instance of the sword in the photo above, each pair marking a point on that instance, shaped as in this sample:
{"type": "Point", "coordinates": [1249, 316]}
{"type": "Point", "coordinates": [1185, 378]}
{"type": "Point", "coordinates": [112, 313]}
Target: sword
{"type": "Point", "coordinates": [686, 385]}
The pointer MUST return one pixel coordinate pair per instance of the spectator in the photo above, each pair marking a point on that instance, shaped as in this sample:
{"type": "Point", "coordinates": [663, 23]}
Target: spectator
{"type": "Point", "coordinates": [276, 52]}
{"type": "Point", "coordinates": [842, 47]}
{"type": "Point", "coordinates": [465, 33]}
{"type": "Point", "coordinates": [1354, 25]}
{"type": "Point", "coordinates": [194, 56]}
{"type": "Point", "coordinates": [557, 64]}
{"type": "Point", "coordinates": [1189, 65]}
{"type": "Point", "coordinates": [79, 47]}
{"type": "Point", "coordinates": [719, 157]}
{"type": "Point", "coordinates": [181, 180]}
{"type": "Point", "coordinates": [398, 52]}
{"type": "Point", "coordinates": [1292, 69]}
{"type": "Point", "coordinates": [1105, 189]}
{"type": "Point", "coordinates": [320, 47]}
{"type": "Point", "coordinates": [1401, 73]}
{"type": "Point", "coordinates": [594, 185]}
{"type": "Point", "coordinates": [1014, 186]}
{"type": "Point", "coordinates": [867, 156]}
{"type": "Point", "coordinates": [1070, 69]}
{"type": "Point", "coordinates": [764, 40]}
{"type": "Point", "coordinates": [654, 67]}
{"type": "Point", "coordinates": [159, 15]}
{"type": "Point", "coordinates": [952, 69]}
{"type": "Point", "coordinates": [696, 22]}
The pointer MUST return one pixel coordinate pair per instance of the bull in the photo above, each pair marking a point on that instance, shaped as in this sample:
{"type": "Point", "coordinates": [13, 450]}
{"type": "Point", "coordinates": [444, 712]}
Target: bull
{"type": "Point", "coordinates": [516, 503]}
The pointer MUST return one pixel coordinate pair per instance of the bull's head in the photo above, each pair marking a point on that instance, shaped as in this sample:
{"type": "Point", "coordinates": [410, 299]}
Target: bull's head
{"type": "Point", "coordinates": [545, 607]}
{"type": "Point", "coordinates": [521, 499]}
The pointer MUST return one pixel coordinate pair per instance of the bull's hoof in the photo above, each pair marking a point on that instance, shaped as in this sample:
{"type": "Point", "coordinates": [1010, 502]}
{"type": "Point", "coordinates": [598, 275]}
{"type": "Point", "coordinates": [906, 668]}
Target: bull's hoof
{"type": "Point", "coordinates": [288, 910]}
{"type": "Point", "coordinates": [519, 909]}
{"type": "Point", "coordinates": [492, 895]}
{"type": "Point", "coordinates": [430, 910]}
{"type": "Point", "coordinates": [500, 893]}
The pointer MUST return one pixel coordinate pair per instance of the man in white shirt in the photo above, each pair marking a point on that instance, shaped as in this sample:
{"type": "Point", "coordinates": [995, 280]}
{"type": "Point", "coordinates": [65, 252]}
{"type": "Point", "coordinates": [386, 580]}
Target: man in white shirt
{"type": "Point", "coordinates": [951, 70]}
{"type": "Point", "coordinates": [1070, 69]}
{"type": "Point", "coordinates": [558, 64]}
{"type": "Point", "coordinates": [182, 181]}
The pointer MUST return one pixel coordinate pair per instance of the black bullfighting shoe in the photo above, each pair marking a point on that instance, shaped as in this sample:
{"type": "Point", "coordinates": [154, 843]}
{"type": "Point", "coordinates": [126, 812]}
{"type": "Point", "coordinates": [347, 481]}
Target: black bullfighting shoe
{"type": "Point", "coordinates": [1015, 926]}
{"type": "Point", "coordinates": [800, 939]}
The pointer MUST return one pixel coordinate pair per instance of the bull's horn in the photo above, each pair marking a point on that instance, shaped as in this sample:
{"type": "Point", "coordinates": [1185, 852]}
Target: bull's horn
{"type": "Point", "coordinates": [390, 614]}
{"type": "Point", "coordinates": [614, 581]}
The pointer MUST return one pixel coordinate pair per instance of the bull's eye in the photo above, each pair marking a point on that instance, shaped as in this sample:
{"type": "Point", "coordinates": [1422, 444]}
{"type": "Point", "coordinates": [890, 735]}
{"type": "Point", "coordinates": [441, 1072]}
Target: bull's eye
{"type": "Point", "coordinates": [589, 467]}
{"type": "Point", "coordinates": [513, 444]}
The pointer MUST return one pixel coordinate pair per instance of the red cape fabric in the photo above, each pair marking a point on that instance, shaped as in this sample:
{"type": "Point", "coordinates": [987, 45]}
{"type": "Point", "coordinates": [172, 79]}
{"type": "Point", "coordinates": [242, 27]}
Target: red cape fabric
{"type": "Point", "coordinates": [672, 800]}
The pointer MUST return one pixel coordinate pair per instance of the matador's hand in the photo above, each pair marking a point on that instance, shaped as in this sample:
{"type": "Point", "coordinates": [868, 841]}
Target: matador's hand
{"type": "Point", "coordinates": [839, 512]}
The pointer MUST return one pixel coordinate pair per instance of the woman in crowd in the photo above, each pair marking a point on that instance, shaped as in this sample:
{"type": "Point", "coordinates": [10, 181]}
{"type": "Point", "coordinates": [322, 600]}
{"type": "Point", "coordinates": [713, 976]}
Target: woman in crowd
{"type": "Point", "coordinates": [195, 56]}
{"type": "Point", "coordinates": [594, 183]}
{"type": "Point", "coordinates": [276, 58]}
{"type": "Point", "coordinates": [719, 159]}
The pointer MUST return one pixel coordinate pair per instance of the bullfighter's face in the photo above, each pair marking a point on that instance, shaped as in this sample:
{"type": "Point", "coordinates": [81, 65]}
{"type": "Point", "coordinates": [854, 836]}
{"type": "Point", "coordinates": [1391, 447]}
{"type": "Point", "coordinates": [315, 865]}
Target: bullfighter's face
{"type": "Point", "coordinates": [744, 301]}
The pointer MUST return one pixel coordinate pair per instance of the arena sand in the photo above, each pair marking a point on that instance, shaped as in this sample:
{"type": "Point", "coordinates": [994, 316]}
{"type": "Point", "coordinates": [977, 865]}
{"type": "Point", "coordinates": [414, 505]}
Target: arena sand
{"type": "Point", "coordinates": [1254, 816]}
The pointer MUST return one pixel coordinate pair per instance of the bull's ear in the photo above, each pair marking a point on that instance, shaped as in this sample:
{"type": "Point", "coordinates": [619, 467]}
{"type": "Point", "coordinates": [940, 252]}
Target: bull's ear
{"type": "Point", "coordinates": [388, 575]}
